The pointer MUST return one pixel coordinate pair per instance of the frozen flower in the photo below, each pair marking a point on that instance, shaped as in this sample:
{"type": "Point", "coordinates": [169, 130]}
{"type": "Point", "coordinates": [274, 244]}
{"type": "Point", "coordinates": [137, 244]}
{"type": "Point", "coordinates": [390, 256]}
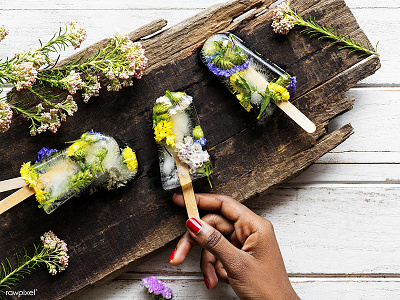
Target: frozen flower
{"type": "Point", "coordinates": [191, 153]}
{"type": "Point", "coordinates": [44, 153]}
{"type": "Point", "coordinates": [24, 74]}
{"type": "Point", "coordinates": [292, 85]}
{"type": "Point", "coordinates": [278, 92]}
{"type": "Point", "coordinates": [156, 288]}
{"type": "Point", "coordinates": [57, 251]}
{"type": "Point", "coordinates": [282, 20]}
{"type": "Point", "coordinates": [201, 141]}
{"type": "Point", "coordinates": [3, 32]}
{"type": "Point", "coordinates": [182, 102]}
{"type": "Point", "coordinates": [163, 130]}
{"type": "Point", "coordinates": [29, 175]}
{"type": "Point", "coordinates": [5, 116]}
{"type": "Point", "coordinates": [227, 72]}
{"type": "Point", "coordinates": [130, 159]}
{"type": "Point", "coordinates": [197, 132]}
{"type": "Point", "coordinates": [75, 35]}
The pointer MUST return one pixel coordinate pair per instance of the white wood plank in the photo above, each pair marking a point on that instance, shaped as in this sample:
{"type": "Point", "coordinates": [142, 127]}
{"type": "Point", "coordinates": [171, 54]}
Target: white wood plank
{"type": "Point", "coordinates": [307, 288]}
{"type": "Point", "coordinates": [376, 122]}
{"type": "Point", "coordinates": [322, 230]}
{"type": "Point", "coordinates": [329, 174]}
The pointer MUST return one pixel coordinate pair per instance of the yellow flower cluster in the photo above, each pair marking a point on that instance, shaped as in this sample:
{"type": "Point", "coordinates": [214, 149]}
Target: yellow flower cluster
{"type": "Point", "coordinates": [40, 195]}
{"type": "Point", "coordinates": [278, 92]}
{"type": "Point", "coordinates": [163, 130]}
{"type": "Point", "coordinates": [130, 159]}
{"type": "Point", "coordinates": [29, 175]}
{"type": "Point", "coordinates": [77, 148]}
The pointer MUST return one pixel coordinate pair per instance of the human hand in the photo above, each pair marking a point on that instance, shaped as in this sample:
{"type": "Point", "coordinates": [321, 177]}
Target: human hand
{"type": "Point", "coordinates": [250, 260]}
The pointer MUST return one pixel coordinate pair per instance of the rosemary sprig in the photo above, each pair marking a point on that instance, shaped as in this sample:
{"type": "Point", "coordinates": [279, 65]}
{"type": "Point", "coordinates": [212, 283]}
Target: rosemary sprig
{"type": "Point", "coordinates": [52, 254]}
{"type": "Point", "coordinates": [284, 19]}
{"type": "Point", "coordinates": [313, 28]}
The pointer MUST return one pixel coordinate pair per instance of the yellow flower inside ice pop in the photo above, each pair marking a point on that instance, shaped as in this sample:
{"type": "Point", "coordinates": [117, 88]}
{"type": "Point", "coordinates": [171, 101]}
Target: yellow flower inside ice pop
{"type": "Point", "coordinates": [163, 130]}
{"type": "Point", "coordinates": [278, 92]}
{"type": "Point", "coordinates": [30, 176]}
{"type": "Point", "coordinates": [130, 159]}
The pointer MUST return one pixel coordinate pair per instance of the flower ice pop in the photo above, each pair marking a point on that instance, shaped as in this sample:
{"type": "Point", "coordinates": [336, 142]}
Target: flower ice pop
{"type": "Point", "coordinates": [254, 81]}
{"type": "Point", "coordinates": [93, 162]}
{"type": "Point", "coordinates": [180, 142]}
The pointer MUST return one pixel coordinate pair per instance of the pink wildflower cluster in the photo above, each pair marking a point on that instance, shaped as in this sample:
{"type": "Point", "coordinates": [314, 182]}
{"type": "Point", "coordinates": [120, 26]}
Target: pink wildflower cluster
{"type": "Point", "coordinates": [72, 82]}
{"type": "Point", "coordinates": [75, 35]}
{"type": "Point", "coordinates": [91, 88]}
{"type": "Point", "coordinates": [59, 251]}
{"type": "Point", "coordinates": [282, 20]}
{"type": "Point", "coordinates": [34, 56]}
{"type": "Point", "coordinates": [132, 63]}
{"type": "Point", "coordinates": [24, 74]}
{"type": "Point", "coordinates": [3, 32]}
{"type": "Point", "coordinates": [5, 116]}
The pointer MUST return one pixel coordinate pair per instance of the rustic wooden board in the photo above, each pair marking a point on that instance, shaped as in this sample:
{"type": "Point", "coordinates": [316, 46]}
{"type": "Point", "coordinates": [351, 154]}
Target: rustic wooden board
{"type": "Point", "coordinates": [109, 232]}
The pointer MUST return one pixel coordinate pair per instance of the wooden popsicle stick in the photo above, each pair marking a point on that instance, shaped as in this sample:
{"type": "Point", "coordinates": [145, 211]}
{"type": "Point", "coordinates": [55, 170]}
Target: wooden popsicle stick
{"type": "Point", "coordinates": [12, 184]}
{"type": "Point", "coordinates": [256, 79]}
{"type": "Point", "coordinates": [297, 116]}
{"type": "Point", "coordinates": [187, 189]}
{"type": "Point", "coordinates": [15, 198]}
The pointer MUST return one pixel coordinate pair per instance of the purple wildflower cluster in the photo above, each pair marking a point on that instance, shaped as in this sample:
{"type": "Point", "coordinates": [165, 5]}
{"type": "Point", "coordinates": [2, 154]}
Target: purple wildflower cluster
{"type": "Point", "coordinates": [44, 153]}
{"type": "Point", "coordinates": [3, 32]}
{"type": "Point", "coordinates": [282, 19]}
{"type": "Point", "coordinates": [292, 85]}
{"type": "Point", "coordinates": [5, 116]}
{"type": "Point", "coordinates": [156, 288]}
{"type": "Point", "coordinates": [229, 72]}
{"type": "Point", "coordinates": [56, 251]}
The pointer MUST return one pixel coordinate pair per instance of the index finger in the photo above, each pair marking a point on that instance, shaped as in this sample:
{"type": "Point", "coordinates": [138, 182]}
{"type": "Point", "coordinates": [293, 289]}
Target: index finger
{"type": "Point", "coordinates": [227, 206]}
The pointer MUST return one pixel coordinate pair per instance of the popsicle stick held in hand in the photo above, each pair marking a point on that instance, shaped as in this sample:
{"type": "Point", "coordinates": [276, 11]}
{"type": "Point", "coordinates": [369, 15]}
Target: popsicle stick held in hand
{"type": "Point", "coordinates": [15, 198]}
{"type": "Point", "coordinates": [187, 189]}
{"type": "Point", "coordinates": [12, 184]}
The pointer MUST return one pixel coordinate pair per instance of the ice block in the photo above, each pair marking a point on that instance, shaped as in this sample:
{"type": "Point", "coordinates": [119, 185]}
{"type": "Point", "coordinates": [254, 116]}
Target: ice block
{"type": "Point", "coordinates": [95, 161]}
{"type": "Point", "coordinates": [180, 141]}
{"type": "Point", "coordinates": [259, 85]}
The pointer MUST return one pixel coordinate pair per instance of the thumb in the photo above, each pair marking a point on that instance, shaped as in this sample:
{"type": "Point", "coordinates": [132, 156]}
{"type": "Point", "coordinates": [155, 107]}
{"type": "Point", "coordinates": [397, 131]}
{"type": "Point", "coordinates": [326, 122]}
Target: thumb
{"type": "Point", "coordinates": [213, 241]}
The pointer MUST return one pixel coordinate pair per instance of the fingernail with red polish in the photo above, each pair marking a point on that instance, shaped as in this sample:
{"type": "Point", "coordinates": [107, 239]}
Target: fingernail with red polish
{"type": "Point", "coordinates": [171, 257]}
{"type": "Point", "coordinates": [193, 225]}
{"type": "Point", "coordinates": [177, 194]}
{"type": "Point", "coordinates": [206, 281]}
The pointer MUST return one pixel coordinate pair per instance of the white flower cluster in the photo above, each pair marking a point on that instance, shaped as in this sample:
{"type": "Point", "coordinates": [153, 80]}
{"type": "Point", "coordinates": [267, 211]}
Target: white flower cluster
{"type": "Point", "coordinates": [182, 99]}
{"type": "Point", "coordinates": [191, 153]}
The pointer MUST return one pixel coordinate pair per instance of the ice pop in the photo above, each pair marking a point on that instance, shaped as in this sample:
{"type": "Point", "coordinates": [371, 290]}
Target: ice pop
{"type": "Point", "coordinates": [258, 84]}
{"type": "Point", "coordinates": [180, 141]}
{"type": "Point", "coordinates": [93, 162]}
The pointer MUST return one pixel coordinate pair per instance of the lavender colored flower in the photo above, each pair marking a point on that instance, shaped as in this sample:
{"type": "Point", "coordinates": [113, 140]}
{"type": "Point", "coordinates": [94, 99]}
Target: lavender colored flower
{"type": "Point", "coordinates": [292, 85]}
{"type": "Point", "coordinates": [229, 72]}
{"type": "Point", "coordinates": [156, 288]}
{"type": "Point", "coordinates": [201, 141]}
{"type": "Point", "coordinates": [44, 153]}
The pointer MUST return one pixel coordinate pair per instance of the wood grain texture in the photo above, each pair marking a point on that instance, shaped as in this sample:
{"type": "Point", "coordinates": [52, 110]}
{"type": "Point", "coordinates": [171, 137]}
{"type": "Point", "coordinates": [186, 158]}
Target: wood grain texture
{"type": "Point", "coordinates": [109, 232]}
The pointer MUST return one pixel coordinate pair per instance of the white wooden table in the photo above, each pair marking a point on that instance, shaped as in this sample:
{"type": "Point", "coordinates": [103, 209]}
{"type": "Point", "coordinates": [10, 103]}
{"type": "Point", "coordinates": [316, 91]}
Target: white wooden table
{"type": "Point", "coordinates": [338, 223]}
